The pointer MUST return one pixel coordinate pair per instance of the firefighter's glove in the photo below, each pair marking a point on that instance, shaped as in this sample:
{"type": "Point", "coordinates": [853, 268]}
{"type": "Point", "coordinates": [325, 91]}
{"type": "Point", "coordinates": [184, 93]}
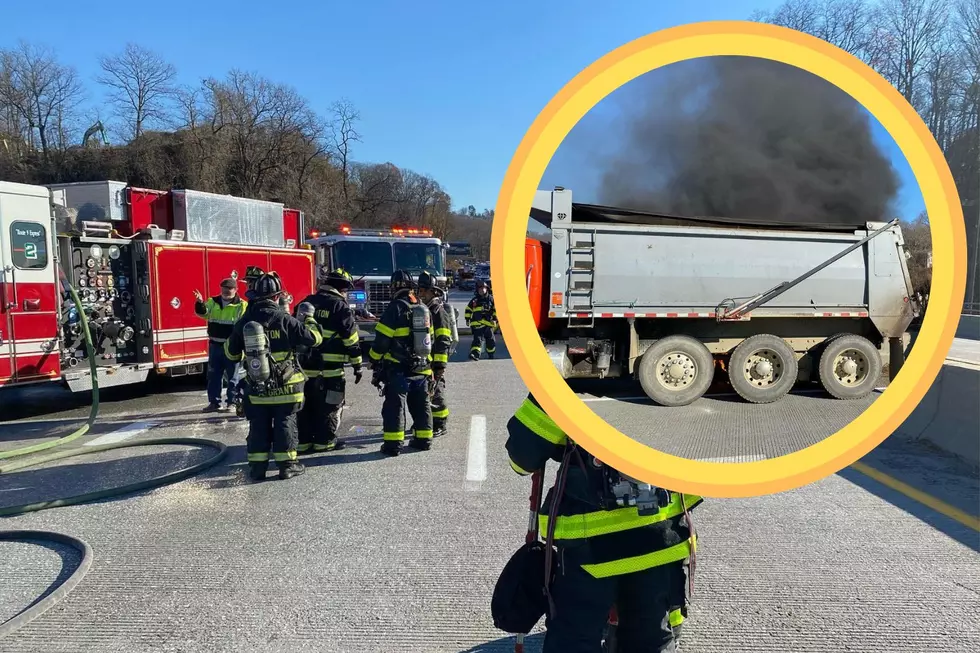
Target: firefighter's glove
{"type": "Point", "coordinates": [437, 374]}
{"type": "Point", "coordinates": [376, 378]}
{"type": "Point", "coordinates": [358, 374]}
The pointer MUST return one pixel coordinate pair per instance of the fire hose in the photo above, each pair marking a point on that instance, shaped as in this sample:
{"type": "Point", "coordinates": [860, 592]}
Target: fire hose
{"type": "Point", "coordinates": [39, 607]}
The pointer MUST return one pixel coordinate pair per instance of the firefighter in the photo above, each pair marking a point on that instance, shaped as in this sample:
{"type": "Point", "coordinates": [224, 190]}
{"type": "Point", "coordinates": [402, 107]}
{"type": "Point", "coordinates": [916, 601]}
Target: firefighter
{"type": "Point", "coordinates": [443, 320]}
{"type": "Point", "coordinates": [221, 313]}
{"type": "Point", "coordinates": [320, 418]}
{"type": "Point", "coordinates": [274, 391]}
{"type": "Point", "coordinates": [401, 361]}
{"type": "Point", "coordinates": [481, 317]}
{"type": "Point", "coordinates": [606, 554]}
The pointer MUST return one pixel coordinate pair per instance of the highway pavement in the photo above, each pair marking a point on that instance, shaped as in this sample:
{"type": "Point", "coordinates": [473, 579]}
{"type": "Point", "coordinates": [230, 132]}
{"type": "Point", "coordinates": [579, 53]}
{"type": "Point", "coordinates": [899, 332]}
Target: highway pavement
{"type": "Point", "coordinates": [366, 553]}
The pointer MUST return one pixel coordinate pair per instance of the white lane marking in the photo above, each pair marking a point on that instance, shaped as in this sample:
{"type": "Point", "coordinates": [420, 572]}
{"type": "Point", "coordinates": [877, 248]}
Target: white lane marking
{"type": "Point", "coordinates": [122, 433]}
{"type": "Point", "coordinates": [476, 455]}
{"type": "Point", "coordinates": [748, 458]}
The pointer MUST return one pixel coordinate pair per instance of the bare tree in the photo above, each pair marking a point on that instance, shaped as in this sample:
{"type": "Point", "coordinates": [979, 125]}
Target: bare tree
{"type": "Point", "coordinates": [140, 83]}
{"type": "Point", "coordinates": [265, 124]}
{"type": "Point", "coordinates": [41, 92]}
{"type": "Point", "coordinates": [343, 135]}
{"type": "Point", "coordinates": [915, 26]}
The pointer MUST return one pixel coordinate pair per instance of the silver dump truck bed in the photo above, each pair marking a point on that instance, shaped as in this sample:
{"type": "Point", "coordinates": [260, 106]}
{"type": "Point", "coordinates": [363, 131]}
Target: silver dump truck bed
{"type": "Point", "coordinates": [671, 300]}
{"type": "Point", "coordinates": [608, 262]}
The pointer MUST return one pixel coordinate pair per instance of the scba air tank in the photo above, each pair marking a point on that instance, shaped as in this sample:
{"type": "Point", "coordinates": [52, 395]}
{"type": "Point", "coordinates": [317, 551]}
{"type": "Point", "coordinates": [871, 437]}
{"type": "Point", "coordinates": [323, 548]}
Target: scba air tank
{"type": "Point", "coordinates": [257, 353]}
{"type": "Point", "coordinates": [421, 331]}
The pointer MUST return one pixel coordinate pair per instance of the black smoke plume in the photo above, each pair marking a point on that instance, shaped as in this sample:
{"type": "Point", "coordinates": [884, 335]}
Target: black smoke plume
{"type": "Point", "coordinates": [749, 139]}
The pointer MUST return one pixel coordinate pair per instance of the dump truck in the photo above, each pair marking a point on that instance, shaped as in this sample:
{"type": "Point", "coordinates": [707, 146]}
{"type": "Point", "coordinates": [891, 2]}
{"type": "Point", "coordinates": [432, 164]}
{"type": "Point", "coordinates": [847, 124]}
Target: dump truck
{"type": "Point", "coordinates": [677, 302]}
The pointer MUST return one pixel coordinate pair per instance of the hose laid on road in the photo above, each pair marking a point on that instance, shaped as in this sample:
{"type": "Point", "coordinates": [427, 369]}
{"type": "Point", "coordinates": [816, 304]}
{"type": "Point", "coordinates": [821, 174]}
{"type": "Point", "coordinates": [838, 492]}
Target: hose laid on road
{"type": "Point", "coordinates": [93, 412]}
{"type": "Point", "coordinates": [36, 610]}
{"type": "Point", "coordinates": [156, 481]}
{"type": "Point", "coordinates": [23, 618]}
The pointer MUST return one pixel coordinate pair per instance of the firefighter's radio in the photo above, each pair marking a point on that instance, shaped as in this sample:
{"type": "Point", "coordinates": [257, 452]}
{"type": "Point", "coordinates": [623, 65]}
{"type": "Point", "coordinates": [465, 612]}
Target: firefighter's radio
{"type": "Point", "coordinates": [624, 491]}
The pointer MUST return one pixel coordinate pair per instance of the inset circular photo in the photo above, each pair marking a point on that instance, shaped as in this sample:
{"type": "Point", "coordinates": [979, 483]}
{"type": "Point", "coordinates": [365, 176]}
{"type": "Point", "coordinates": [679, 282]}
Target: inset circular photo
{"type": "Point", "coordinates": [728, 253]}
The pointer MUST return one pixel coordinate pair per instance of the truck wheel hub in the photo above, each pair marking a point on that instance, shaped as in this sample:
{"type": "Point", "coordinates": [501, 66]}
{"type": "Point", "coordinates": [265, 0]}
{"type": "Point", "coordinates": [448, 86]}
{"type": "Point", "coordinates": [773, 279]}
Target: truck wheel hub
{"type": "Point", "coordinates": [676, 370]}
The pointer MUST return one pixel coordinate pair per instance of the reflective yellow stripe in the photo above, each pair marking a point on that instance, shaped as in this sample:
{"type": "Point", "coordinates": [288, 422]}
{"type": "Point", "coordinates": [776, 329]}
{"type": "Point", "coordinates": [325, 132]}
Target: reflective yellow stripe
{"type": "Point", "coordinates": [441, 331]}
{"type": "Point", "coordinates": [353, 340]}
{"type": "Point", "coordinates": [230, 357]}
{"type": "Point", "coordinates": [394, 436]}
{"type": "Point", "coordinates": [384, 330]}
{"type": "Point", "coordinates": [403, 331]}
{"type": "Point", "coordinates": [441, 414]}
{"type": "Point", "coordinates": [374, 355]}
{"type": "Point", "coordinates": [293, 398]}
{"type": "Point", "coordinates": [304, 447]}
{"type": "Point", "coordinates": [280, 356]}
{"type": "Point", "coordinates": [423, 434]}
{"type": "Point", "coordinates": [283, 457]}
{"type": "Point", "coordinates": [535, 419]}
{"type": "Point", "coordinates": [676, 618]}
{"type": "Point", "coordinates": [327, 333]}
{"type": "Point", "coordinates": [666, 556]}
{"type": "Point", "coordinates": [331, 374]}
{"type": "Point", "coordinates": [440, 358]}
{"type": "Point", "coordinates": [258, 457]}
{"type": "Point", "coordinates": [520, 470]}
{"type": "Point", "coordinates": [356, 360]}
{"type": "Point", "coordinates": [603, 522]}
{"type": "Point", "coordinates": [334, 358]}
{"type": "Point", "coordinates": [315, 330]}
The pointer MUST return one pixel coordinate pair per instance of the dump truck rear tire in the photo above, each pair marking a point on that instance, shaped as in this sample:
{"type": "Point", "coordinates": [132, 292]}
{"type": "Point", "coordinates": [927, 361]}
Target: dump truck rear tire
{"type": "Point", "coordinates": [763, 369]}
{"type": "Point", "coordinates": [849, 367]}
{"type": "Point", "coordinates": [676, 371]}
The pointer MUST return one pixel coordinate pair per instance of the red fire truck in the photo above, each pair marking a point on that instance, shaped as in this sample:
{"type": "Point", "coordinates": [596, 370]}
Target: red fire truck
{"type": "Point", "coordinates": [135, 256]}
{"type": "Point", "coordinates": [371, 256]}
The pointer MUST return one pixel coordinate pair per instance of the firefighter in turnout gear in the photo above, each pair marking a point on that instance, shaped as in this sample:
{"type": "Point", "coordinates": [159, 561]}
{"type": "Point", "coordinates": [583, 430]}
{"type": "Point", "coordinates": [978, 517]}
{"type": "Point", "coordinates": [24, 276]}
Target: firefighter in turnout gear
{"type": "Point", "coordinates": [401, 357]}
{"type": "Point", "coordinates": [481, 317]}
{"type": "Point", "coordinates": [221, 313]}
{"type": "Point", "coordinates": [319, 419]}
{"type": "Point", "coordinates": [443, 325]}
{"type": "Point", "coordinates": [619, 542]}
{"type": "Point", "coordinates": [267, 338]}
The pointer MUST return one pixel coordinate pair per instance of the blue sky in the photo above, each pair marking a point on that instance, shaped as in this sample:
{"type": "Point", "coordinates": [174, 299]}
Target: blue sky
{"type": "Point", "coordinates": [444, 88]}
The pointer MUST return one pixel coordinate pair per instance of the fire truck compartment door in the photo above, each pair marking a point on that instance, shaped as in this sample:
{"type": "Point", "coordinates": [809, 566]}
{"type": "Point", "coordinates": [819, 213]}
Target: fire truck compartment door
{"type": "Point", "coordinates": [29, 349]}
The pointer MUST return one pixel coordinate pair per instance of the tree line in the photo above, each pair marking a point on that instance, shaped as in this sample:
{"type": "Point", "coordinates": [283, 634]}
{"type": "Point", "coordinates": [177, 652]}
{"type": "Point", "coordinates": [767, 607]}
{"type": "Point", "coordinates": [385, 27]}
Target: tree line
{"type": "Point", "coordinates": [241, 134]}
{"type": "Point", "coordinates": [929, 50]}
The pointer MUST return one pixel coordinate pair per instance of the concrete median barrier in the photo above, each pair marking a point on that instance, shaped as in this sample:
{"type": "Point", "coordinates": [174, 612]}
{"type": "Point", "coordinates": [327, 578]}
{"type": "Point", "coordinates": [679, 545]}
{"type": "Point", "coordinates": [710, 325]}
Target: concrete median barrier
{"type": "Point", "coordinates": [948, 417]}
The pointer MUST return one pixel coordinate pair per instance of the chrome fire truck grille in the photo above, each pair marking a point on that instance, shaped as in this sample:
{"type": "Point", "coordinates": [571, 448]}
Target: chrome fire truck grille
{"type": "Point", "coordinates": [379, 296]}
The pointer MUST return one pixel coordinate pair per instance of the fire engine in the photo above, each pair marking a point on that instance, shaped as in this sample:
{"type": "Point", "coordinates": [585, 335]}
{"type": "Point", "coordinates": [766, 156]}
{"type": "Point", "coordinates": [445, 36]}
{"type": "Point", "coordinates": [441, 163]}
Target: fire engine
{"type": "Point", "coordinates": [371, 256]}
{"type": "Point", "coordinates": [135, 257]}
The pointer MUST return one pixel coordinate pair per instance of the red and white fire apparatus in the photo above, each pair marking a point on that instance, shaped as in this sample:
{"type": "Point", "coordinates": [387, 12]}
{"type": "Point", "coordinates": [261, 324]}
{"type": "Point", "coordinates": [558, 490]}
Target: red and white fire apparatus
{"type": "Point", "coordinates": [371, 256]}
{"type": "Point", "coordinates": [135, 257]}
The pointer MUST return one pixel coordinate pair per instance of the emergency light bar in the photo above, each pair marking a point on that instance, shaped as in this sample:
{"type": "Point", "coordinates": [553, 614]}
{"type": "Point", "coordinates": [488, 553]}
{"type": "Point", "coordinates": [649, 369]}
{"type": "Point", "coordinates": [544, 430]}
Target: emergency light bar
{"type": "Point", "coordinates": [393, 231]}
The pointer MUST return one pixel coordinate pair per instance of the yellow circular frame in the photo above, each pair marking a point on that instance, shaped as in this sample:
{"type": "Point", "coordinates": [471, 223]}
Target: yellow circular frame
{"type": "Point", "coordinates": [729, 480]}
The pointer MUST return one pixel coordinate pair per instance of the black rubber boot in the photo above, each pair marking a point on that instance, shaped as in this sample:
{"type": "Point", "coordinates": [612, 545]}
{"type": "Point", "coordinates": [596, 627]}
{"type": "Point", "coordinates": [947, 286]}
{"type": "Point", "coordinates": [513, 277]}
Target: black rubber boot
{"type": "Point", "coordinates": [422, 444]}
{"type": "Point", "coordinates": [290, 469]}
{"type": "Point", "coordinates": [439, 431]}
{"type": "Point", "coordinates": [474, 357]}
{"type": "Point", "coordinates": [490, 356]}
{"type": "Point", "coordinates": [257, 471]}
{"type": "Point", "coordinates": [305, 452]}
{"type": "Point", "coordinates": [391, 448]}
{"type": "Point", "coordinates": [333, 445]}
{"type": "Point", "coordinates": [211, 408]}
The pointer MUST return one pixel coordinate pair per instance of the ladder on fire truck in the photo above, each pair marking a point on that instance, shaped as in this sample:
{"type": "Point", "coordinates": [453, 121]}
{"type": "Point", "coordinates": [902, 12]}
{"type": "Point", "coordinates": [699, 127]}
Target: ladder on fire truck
{"type": "Point", "coordinates": [580, 279]}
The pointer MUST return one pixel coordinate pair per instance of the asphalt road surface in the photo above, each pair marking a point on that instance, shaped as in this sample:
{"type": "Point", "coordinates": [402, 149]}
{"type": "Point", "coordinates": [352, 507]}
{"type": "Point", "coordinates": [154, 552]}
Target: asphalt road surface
{"type": "Point", "coordinates": [366, 553]}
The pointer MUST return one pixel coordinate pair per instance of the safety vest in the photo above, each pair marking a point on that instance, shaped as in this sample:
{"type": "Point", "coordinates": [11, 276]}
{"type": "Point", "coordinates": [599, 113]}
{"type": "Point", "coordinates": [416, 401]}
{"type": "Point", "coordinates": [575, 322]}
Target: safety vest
{"type": "Point", "coordinates": [221, 315]}
{"type": "Point", "coordinates": [620, 541]}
